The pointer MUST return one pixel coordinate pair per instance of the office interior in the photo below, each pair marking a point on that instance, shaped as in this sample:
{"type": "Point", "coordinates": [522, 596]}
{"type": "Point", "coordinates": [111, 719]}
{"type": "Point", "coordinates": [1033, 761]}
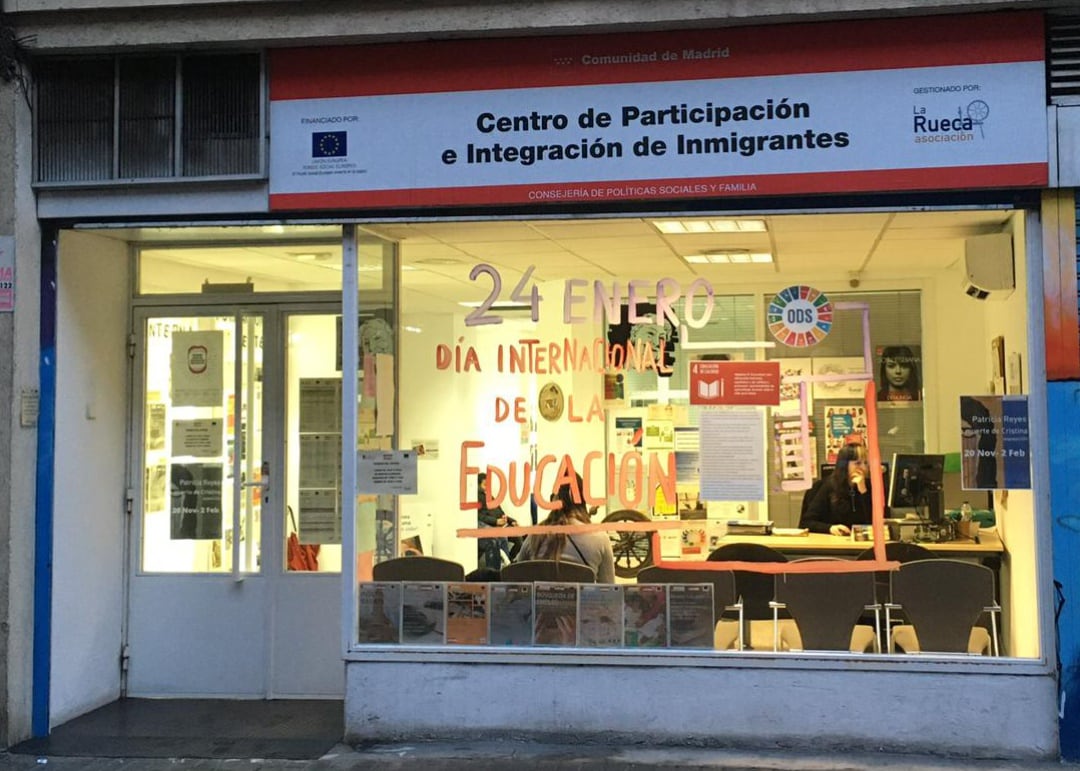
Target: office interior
{"type": "Point", "coordinates": [907, 266]}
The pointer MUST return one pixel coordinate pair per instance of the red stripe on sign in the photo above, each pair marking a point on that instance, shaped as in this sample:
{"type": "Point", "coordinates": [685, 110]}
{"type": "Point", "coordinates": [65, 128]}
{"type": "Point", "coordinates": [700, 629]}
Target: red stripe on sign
{"type": "Point", "coordinates": [734, 52]}
{"type": "Point", "coordinates": [952, 178]}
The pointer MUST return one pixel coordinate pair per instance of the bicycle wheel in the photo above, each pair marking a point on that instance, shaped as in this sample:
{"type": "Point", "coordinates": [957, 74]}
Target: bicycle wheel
{"type": "Point", "coordinates": [633, 551]}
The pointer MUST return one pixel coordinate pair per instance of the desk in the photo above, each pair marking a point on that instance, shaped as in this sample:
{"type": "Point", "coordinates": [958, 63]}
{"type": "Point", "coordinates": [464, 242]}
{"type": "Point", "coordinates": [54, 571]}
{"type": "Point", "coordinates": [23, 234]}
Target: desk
{"type": "Point", "coordinates": [824, 545]}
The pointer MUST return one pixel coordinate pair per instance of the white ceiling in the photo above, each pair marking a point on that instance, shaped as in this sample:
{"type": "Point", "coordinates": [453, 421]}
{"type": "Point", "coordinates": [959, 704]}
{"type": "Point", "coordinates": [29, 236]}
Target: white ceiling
{"type": "Point", "coordinates": [438, 256]}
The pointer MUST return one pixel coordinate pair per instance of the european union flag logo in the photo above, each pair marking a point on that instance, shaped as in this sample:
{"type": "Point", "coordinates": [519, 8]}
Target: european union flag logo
{"type": "Point", "coordinates": [329, 144]}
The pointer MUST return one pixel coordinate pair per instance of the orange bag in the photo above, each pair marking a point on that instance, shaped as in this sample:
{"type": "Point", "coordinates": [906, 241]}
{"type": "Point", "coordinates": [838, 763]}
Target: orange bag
{"type": "Point", "coordinates": [300, 556]}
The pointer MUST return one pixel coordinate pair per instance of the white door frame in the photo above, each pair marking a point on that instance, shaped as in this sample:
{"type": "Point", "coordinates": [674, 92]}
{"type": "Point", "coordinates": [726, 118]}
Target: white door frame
{"type": "Point", "coordinates": [250, 603]}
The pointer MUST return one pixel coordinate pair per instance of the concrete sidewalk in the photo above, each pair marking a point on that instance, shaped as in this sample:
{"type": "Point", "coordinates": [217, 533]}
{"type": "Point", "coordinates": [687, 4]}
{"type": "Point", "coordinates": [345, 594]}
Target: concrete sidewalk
{"type": "Point", "coordinates": [481, 756]}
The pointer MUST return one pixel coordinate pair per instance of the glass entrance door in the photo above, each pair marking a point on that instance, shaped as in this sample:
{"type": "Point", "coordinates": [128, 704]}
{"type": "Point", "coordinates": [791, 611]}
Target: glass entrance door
{"type": "Point", "coordinates": [235, 584]}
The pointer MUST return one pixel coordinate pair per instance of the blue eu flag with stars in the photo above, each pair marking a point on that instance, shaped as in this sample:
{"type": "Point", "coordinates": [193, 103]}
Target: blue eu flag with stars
{"type": "Point", "coordinates": [329, 144]}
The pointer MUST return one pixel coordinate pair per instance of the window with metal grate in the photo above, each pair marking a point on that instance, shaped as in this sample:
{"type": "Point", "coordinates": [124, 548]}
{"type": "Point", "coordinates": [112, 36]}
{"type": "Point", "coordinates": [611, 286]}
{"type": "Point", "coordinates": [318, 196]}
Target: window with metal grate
{"type": "Point", "coordinates": [147, 117]}
{"type": "Point", "coordinates": [1063, 57]}
{"type": "Point", "coordinates": [74, 120]}
{"type": "Point", "coordinates": [122, 119]}
{"type": "Point", "coordinates": [221, 115]}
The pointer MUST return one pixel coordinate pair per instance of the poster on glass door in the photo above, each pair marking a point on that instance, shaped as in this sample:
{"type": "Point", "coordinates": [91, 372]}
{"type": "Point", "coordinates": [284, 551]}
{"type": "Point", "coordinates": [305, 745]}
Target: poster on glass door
{"type": "Point", "coordinates": [195, 501]}
{"type": "Point", "coordinates": [197, 369]}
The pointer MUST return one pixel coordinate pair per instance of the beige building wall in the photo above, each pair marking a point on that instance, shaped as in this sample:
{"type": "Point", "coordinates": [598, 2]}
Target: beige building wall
{"type": "Point", "coordinates": [84, 26]}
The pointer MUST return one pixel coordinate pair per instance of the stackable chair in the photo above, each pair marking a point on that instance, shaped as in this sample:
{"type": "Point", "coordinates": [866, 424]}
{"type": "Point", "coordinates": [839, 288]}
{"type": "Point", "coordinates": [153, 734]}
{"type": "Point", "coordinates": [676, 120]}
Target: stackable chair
{"type": "Point", "coordinates": [942, 601]}
{"type": "Point", "coordinates": [755, 590]}
{"type": "Point", "coordinates": [826, 609]}
{"type": "Point", "coordinates": [895, 551]}
{"type": "Point", "coordinates": [548, 570]}
{"type": "Point", "coordinates": [417, 568]}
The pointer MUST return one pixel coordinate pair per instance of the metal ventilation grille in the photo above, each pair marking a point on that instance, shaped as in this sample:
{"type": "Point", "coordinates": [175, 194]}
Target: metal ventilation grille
{"type": "Point", "coordinates": [112, 119]}
{"type": "Point", "coordinates": [221, 115]}
{"type": "Point", "coordinates": [75, 116]}
{"type": "Point", "coordinates": [1063, 57]}
{"type": "Point", "coordinates": [147, 115]}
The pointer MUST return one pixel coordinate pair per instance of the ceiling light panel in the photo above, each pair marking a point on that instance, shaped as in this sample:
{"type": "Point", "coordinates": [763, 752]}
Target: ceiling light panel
{"type": "Point", "coordinates": [738, 257]}
{"type": "Point", "coordinates": [710, 225]}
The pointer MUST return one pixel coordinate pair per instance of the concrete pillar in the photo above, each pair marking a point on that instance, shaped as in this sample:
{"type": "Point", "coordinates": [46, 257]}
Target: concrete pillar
{"type": "Point", "coordinates": [18, 375]}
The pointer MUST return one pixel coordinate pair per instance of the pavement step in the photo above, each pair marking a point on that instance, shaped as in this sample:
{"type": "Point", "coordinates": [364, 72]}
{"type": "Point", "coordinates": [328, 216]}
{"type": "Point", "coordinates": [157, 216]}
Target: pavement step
{"type": "Point", "coordinates": [501, 755]}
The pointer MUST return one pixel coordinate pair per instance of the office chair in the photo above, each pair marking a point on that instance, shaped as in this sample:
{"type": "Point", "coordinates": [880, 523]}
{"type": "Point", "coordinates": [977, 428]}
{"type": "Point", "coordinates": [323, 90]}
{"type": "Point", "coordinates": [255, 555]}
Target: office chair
{"type": "Point", "coordinates": [826, 610]}
{"type": "Point", "coordinates": [755, 593]}
{"type": "Point", "coordinates": [548, 570]}
{"type": "Point", "coordinates": [809, 496]}
{"type": "Point", "coordinates": [417, 568]}
{"type": "Point", "coordinates": [725, 596]}
{"type": "Point", "coordinates": [943, 600]}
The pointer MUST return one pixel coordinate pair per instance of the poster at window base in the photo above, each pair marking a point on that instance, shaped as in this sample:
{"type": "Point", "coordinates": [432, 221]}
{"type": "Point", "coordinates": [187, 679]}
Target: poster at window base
{"type": "Point", "coordinates": [423, 614]}
{"type": "Point", "coordinates": [378, 612]}
{"type": "Point", "coordinates": [600, 612]}
{"type": "Point", "coordinates": [467, 613]}
{"type": "Point", "coordinates": [555, 614]}
{"type": "Point", "coordinates": [842, 425]}
{"type": "Point", "coordinates": [197, 369]}
{"type": "Point", "coordinates": [645, 616]}
{"type": "Point", "coordinates": [691, 615]}
{"type": "Point", "coordinates": [511, 614]}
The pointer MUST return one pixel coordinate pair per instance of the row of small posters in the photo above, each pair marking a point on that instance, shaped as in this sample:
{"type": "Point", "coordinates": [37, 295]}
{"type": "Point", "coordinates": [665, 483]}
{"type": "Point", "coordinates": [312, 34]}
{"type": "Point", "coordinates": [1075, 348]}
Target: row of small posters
{"type": "Point", "coordinates": [542, 614]}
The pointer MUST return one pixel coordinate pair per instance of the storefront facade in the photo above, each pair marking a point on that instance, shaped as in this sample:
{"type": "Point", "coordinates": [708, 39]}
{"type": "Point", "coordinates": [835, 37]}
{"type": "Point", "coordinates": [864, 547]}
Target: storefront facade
{"type": "Point", "coordinates": [477, 230]}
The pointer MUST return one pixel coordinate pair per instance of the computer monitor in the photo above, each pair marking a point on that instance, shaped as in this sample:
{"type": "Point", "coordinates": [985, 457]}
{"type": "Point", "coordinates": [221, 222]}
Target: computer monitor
{"type": "Point", "coordinates": [916, 482]}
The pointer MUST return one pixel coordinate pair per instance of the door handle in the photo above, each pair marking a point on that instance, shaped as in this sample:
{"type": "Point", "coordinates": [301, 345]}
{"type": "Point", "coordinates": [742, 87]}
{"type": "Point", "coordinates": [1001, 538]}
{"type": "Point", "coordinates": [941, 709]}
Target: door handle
{"type": "Point", "coordinates": [263, 482]}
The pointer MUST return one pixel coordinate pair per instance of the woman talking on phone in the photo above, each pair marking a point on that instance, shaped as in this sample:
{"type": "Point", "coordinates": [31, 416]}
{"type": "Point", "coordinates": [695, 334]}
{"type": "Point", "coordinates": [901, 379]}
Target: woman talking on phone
{"type": "Point", "coordinates": [844, 499]}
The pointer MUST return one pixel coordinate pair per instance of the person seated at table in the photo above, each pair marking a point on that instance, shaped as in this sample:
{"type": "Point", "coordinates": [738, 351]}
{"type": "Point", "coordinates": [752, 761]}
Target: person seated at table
{"type": "Point", "coordinates": [491, 550]}
{"type": "Point", "coordinates": [592, 549]}
{"type": "Point", "coordinates": [844, 499]}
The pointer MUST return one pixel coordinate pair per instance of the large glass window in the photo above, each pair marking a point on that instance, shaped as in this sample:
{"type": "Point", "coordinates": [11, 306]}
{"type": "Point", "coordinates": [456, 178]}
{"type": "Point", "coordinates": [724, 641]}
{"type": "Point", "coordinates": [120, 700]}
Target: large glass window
{"type": "Point", "coordinates": [669, 364]}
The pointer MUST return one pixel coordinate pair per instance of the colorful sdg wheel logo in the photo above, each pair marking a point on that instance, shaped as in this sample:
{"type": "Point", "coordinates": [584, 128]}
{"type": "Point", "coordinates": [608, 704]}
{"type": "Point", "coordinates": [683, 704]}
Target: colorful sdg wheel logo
{"type": "Point", "coordinates": [800, 316]}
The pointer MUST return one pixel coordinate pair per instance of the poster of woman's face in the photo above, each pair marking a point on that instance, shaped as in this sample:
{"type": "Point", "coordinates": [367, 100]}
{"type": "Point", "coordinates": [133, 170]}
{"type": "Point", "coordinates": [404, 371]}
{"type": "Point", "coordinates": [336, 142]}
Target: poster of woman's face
{"type": "Point", "coordinates": [898, 373]}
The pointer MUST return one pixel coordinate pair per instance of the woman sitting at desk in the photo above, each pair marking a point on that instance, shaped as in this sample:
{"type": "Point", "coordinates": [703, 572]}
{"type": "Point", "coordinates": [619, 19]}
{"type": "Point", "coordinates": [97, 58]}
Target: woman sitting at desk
{"type": "Point", "coordinates": [844, 498]}
{"type": "Point", "coordinates": [592, 549]}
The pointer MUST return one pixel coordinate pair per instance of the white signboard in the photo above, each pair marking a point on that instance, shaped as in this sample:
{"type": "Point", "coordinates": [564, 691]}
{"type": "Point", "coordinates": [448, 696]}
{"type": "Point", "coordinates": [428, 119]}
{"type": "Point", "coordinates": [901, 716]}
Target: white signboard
{"type": "Point", "coordinates": [196, 438]}
{"type": "Point", "coordinates": [197, 369]}
{"type": "Point", "coordinates": [842, 107]}
{"type": "Point", "coordinates": [390, 472]}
